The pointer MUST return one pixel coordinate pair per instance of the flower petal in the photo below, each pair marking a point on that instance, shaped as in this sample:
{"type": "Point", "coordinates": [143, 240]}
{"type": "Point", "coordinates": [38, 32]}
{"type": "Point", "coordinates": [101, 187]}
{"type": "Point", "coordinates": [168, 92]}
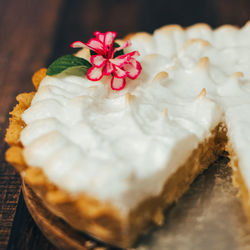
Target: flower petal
{"type": "Point", "coordinates": [119, 61]}
{"type": "Point", "coordinates": [123, 46]}
{"type": "Point", "coordinates": [98, 60]}
{"type": "Point", "coordinates": [109, 38]}
{"type": "Point", "coordinates": [99, 36]}
{"type": "Point", "coordinates": [133, 53]}
{"type": "Point", "coordinates": [108, 68]}
{"type": "Point", "coordinates": [133, 71]}
{"type": "Point", "coordinates": [94, 74]}
{"type": "Point", "coordinates": [118, 83]}
{"type": "Point", "coordinates": [92, 44]}
{"type": "Point", "coordinates": [78, 44]}
{"type": "Point", "coordinates": [133, 62]}
{"type": "Point", "coordinates": [119, 73]}
{"type": "Point", "coordinates": [96, 45]}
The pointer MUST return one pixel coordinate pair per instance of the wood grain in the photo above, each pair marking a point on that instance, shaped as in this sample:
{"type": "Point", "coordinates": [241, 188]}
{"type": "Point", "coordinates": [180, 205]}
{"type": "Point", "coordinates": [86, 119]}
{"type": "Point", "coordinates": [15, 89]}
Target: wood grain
{"type": "Point", "coordinates": [25, 234]}
{"type": "Point", "coordinates": [26, 31]}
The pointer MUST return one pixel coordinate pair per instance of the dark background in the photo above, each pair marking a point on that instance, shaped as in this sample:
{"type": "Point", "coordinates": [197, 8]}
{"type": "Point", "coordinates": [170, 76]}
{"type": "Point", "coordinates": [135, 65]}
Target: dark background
{"type": "Point", "coordinates": [35, 32]}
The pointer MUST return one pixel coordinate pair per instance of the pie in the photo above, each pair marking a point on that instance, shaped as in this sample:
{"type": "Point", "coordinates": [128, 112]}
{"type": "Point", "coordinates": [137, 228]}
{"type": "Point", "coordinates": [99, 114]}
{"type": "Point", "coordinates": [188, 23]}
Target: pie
{"type": "Point", "coordinates": [109, 162]}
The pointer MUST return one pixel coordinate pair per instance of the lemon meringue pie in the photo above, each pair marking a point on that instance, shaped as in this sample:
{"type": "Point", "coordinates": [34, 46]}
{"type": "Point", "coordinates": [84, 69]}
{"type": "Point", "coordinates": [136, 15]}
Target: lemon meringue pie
{"type": "Point", "coordinates": [109, 162]}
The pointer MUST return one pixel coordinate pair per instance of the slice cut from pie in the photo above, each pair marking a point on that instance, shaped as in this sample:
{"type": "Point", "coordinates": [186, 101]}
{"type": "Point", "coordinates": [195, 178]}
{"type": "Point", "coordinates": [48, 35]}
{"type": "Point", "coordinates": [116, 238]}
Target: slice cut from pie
{"type": "Point", "coordinates": [109, 162]}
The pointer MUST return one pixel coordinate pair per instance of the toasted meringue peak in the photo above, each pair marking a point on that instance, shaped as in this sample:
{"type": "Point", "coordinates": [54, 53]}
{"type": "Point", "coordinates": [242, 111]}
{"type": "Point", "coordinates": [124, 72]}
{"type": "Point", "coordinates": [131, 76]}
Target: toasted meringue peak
{"type": "Point", "coordinates": [200, 26]}
{"type": "Point", "coordinates": [160, 76]}
{"type": "Point", "coordinates": [238, 75]}
{"type": "Point", "coordinates": [165, 112]}
{"type": "Point", "coordinates": [203, 62]}
{"type": "Point", "coordinates": [191, 42]}
{"type": "Point", "coordinates": [202, 94]}
{"type": "Point", "coordinates": [170, 28]}
{"type": "Point", "coordinates": [130, 98]}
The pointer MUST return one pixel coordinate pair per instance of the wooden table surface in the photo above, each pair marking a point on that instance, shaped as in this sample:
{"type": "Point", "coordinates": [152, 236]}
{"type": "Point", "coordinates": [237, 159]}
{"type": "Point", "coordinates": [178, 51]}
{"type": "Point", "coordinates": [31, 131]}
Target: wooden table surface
{"type": "Point", "coordinates": [34, 32]}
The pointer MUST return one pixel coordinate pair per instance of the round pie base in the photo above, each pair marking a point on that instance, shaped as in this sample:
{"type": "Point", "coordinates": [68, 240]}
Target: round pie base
{"type": "Point", "coordinates": [58, 232]}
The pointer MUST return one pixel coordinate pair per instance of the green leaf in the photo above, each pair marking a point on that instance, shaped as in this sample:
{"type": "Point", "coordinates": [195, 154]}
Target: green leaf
{"type": "Point", "coordinates": [66, 62]}
{"type": "Point", "coordinates": [117, 53]}
{"type": "Point", "coordinates": [92, 53]}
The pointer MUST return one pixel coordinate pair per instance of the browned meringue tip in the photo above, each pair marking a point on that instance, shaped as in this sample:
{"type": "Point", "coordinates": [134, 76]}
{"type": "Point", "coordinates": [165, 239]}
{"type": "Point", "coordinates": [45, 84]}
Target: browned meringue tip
{"type": "Point", "coordinates": [160, 76]}
{"type": "Point", "coordinates": [238, 75]}
{"type": "Point", "coordinates": [199, 26]}
{"type": "Point", "coordinates": [165, 112]}
{"type": "Point", "coordinates": [227, 27]}
{"type": "Point", "coordinates": [202, 94]}
{"type": "Point", "coordinates": [202, 42]}
{"type": "Point", "coordinates": [130, 98]}
{"type": "Point", "coordinates": [203, 62]}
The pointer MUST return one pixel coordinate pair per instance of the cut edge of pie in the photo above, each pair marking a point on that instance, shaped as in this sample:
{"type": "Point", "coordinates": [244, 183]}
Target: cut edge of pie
{"type": "Point", "coordinates": [85, 213]}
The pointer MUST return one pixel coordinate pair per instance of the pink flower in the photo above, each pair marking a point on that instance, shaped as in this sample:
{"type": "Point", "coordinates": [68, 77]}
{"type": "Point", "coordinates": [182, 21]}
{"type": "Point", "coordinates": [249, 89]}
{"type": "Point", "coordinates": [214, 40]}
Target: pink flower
{"type": "Point", "coordinates": [104, 62]}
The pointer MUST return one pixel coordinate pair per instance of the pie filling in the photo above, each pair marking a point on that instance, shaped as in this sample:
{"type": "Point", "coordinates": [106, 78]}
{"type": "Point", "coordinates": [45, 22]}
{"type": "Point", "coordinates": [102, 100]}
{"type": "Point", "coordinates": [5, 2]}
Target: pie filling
{"type": "Point", "coordinates": [137, 150]}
